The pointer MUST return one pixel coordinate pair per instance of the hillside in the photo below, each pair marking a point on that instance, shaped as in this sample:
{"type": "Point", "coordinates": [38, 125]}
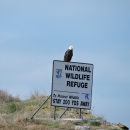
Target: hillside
{"type": "Point", "coordinates": [15, 114]}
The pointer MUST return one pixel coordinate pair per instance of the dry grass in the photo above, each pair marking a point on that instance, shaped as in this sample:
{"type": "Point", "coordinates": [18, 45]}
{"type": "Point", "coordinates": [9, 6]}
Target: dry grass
{"type": "Point", "coordinates": [14, 114]}
{"type": "Point", "coordinates": [37, 95]}
{"type": "Point", "coordinates": [6, 97]}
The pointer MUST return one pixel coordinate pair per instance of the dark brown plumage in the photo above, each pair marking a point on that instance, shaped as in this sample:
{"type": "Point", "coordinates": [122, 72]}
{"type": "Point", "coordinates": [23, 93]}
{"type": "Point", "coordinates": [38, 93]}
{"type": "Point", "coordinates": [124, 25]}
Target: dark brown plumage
{"type": "Point", "coordinates": [68, 54]}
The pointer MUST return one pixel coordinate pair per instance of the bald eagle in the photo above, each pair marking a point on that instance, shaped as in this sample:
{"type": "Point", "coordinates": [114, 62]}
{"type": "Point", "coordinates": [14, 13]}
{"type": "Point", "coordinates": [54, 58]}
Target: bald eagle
{"type": "Point", "coordinates": [68, 54]}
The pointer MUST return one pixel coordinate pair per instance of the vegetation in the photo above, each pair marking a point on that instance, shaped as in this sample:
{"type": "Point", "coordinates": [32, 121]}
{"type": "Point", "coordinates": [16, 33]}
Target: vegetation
{"type": "Point", "coordinates": [5, 97]}
{"type": "Point", "coordinates": [15, 114]}
{"type": "Point", "coordinates": [54, 124]}
{"type": "Point", "coordinates": [95, 123]}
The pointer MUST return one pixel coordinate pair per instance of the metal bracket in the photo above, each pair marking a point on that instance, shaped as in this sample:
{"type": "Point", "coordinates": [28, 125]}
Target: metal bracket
{"type": "Point", "coordinates": [39, 108]}
{"type": "Point", "coordinates": [32, 117]}
{"type": "Point", "coordinates": [59, 118]}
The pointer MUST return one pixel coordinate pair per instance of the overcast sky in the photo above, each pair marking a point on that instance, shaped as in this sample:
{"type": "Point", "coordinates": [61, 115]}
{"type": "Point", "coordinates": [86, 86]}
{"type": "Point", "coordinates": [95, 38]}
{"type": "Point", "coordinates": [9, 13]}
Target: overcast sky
{"type": "Point", "coordinates": [34, 33]}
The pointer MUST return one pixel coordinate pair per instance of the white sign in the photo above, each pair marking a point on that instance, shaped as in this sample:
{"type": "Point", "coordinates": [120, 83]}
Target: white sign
{"type": "Point", "coordinates": [72, 84]}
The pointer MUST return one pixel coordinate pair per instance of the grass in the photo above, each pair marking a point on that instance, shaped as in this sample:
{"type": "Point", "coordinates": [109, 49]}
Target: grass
{"type": "Point", "coordinates": [54, 124]}
{"type": "Point", "coordinates": [6, 97]}
{"type": "Point", "coordinates": [14, 114]}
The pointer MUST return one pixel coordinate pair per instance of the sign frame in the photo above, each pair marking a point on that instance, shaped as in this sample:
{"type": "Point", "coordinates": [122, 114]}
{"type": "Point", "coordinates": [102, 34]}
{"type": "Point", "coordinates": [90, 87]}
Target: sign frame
{"type": "Point", "coordinates": [52, 88]}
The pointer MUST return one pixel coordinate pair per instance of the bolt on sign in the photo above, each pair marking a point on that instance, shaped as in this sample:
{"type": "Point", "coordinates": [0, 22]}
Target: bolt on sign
{"type": "Point", "coordinates": [72, 84]}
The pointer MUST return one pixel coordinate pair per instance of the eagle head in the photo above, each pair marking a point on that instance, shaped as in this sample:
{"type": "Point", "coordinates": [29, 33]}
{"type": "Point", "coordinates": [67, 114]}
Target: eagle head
{"type": "Point", "coordinates": [71, 48]}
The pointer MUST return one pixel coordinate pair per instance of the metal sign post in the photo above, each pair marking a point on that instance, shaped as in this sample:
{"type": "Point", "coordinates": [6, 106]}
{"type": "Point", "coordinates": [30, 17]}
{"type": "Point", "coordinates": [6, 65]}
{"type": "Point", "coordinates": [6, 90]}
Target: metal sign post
{"type": "Point", "coordinates": [59, 118]}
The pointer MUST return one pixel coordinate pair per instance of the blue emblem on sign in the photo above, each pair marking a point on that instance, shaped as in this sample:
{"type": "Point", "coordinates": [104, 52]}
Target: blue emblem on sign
{"type": "Point", "coordinates": [86, 96]}
{"type": "Point", "coordinates": [58, 73]}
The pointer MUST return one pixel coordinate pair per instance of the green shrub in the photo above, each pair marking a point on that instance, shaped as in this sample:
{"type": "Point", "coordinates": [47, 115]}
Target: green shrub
{"type": "Point", "coordinates": [11, 107]}
{"type": "Point", "coordinates": [95, 123]}
{"type": "Point", "coordinates": [14, 106]}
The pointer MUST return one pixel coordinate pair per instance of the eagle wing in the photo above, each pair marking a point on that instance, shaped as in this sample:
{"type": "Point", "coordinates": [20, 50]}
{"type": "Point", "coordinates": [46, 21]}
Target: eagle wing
{"type": "Point", "coordinates": [68, 55]}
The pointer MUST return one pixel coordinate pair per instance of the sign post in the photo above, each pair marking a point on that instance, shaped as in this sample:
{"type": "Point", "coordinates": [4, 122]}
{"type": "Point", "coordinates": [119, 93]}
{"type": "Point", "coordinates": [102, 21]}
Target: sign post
{"type": "Point", "coordinates": [71, 88]}
{"type": "Point", "coordinates": [72, 84]}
